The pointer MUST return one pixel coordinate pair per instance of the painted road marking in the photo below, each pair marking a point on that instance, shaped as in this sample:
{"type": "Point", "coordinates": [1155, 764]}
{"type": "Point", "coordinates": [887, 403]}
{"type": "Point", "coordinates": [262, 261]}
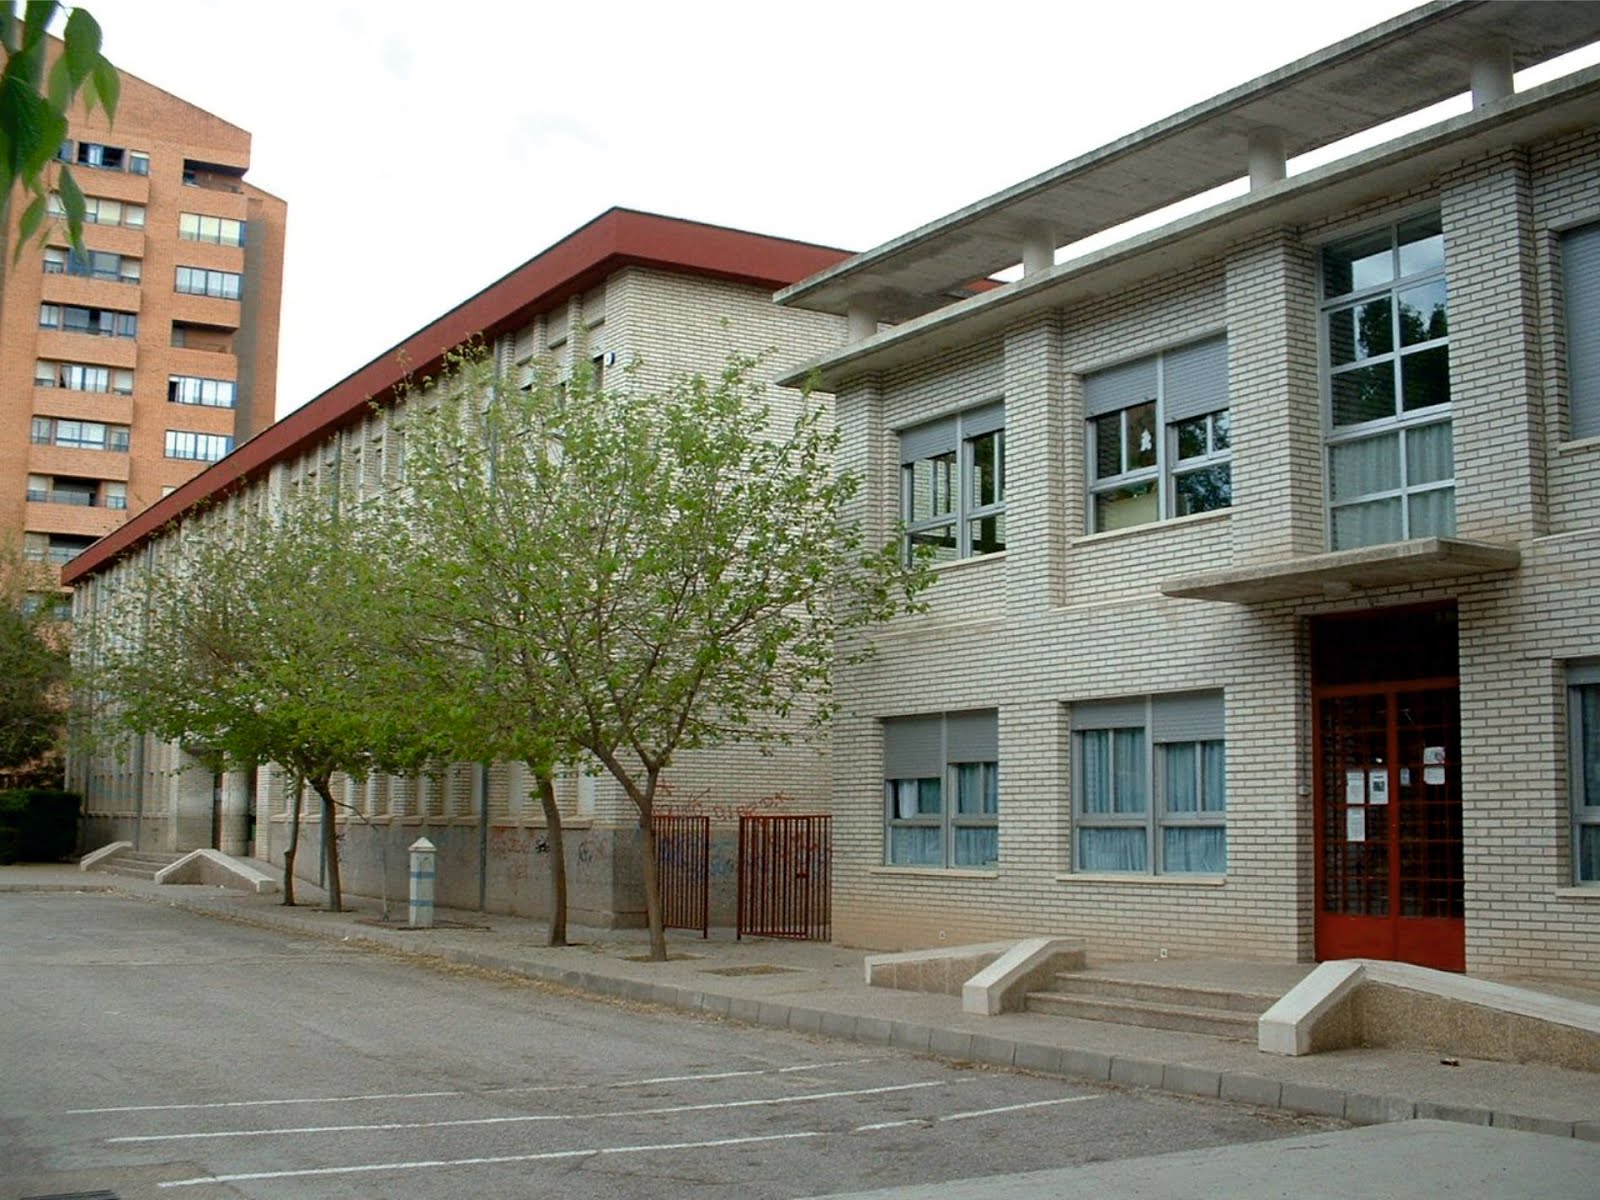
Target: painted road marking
{"type": "Point", "coordinates": [533, 1118]}
{"type": "Point", "coordinates": [588, 1152]}
{"type": "Point", "coordinates": [495, 1091]}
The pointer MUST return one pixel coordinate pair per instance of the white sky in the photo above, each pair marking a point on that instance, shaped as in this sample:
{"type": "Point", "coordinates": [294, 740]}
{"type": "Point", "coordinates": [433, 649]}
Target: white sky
{"type": "Point", "coordinates": [426, 150]}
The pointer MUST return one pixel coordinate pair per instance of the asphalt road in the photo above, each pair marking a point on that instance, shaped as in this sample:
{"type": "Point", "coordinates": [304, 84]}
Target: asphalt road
{"type": "Point", "coordinates": [158, 1053]}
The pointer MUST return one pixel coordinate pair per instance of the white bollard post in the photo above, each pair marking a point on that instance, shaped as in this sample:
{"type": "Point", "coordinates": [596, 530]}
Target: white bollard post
{"type": "Point", "coordinates": [422, 856]}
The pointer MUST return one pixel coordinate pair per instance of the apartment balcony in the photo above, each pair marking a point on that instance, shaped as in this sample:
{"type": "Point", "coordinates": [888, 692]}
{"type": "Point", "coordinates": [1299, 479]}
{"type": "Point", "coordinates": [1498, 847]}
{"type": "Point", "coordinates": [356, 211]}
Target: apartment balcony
{"type": "Point", "coordinates": [71, 460]}
{"type": "Point", "coordinates": [107, 407]}
{"type": "Point", "coordinates": [205, 361]}
{"type": "Point", "coordinates": [93, 348]}
{"type": "Point", "coordinates": [205, 310]}
{"type": "Point", "coordinates": [117, 239]}
{"type": "Point", "coordinates": [211, 255]}
{"type": "Point", "coordinates": [89, 292]}
{"type": "Point", "coordinates": [55, 515]}
{"type": "Point", "coordinates": [214, 196]}
{"type": "Point", "coordinates": [111, 184]}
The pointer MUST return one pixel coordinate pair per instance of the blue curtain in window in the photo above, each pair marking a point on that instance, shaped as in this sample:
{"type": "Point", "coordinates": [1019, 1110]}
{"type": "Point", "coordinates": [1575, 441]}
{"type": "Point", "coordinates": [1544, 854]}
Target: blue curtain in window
{"type": "Point", "coordinates": [1201, 851]}
{"type": "Point", "coordinates": [1112, 850]}
{"type": "Point", "coordinates": [1132, 789]}
{"type": "Point", "coordinates": [1096, 749]}
{"type": "Point", "coordinates": [978, 847]}
{"type": "Point", "coordinates": [1213, 771]}
{"type": "Point", "coordinates": [915, 846]}
{"type": "Point", "coordinates": [1183, 780]}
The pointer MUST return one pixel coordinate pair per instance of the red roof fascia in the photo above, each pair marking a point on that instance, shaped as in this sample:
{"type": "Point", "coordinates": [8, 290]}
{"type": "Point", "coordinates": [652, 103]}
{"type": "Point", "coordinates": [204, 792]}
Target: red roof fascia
{"type": "Point", "coordinates": [617, 238]}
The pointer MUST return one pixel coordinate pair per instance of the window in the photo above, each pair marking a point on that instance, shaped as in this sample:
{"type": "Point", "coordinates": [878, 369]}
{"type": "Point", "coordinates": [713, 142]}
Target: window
{"type": "Point", "coordinates": [138, 163]}
{"type": "Point", "coordinates": [96, 264]}
{"type": "Point", "coordinates": [1391, 465]}
{"type": "Point", "coordinates": [1580, 276]}
{"type": "Point", "coordinates": [102, 322]}
{"type": "Point", "coordinates": [1150, 785]}
{"type": "Point", "coordinates": [1158, 437]}
{"type": "Point", "coordinates": [223, 231]}
{"type": "Point", "coordinates": [87, 493]}
{"type": "Point", "coordinates": [1583, 721]}
{"type": "Point", "coordinates": [78, 435]}
{"type": "Point", "coordinates": [98, 211]}
{"type": "Point", "coordinates": [93, 154]}
{"type": "Point", "coordinates": [953, 484]}
{"type": "Point", "coordinates": [190, 389]}
{"type": "Point", "coordinates": [201, 447]}
{"type": "Point", "coordinates": [81, 377]}
{"type": "Point", "coordinates": [196, 281]}
{"type": "Point", "coordinates": [942, 790]}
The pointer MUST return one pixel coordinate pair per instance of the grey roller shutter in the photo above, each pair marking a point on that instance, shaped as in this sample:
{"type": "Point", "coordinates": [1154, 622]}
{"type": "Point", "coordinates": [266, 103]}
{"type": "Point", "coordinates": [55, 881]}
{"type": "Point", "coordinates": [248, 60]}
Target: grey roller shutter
{"type": "Point", "coordinates": [983, 420]}
{"type": "Point", "coordinates": [1108, 714]}
{"type": "Point", "coordinates": [1187, 717]}
{"type": "Point", "coordinates": [913, 748]}
{"type": "Point", "coordinates": [972, 737]}
{"type": "Point", "coordinates": [1195, 380]}
{"type": "Point", "coordinates": [1120, 387]}
{"type": "Point", "coordinates": [927, 440]}
{"type": "Point", "coordinates": [1580, 273]}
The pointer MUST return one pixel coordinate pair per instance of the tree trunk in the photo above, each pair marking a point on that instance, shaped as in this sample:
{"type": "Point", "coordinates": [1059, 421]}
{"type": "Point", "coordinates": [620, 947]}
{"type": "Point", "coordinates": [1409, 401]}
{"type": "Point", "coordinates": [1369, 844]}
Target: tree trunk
{"type": "Point", "coordinates": [652, 876]}
{"type": "Point", "coordinates": [293, 847]}
{"type": "Point", "coordinates": [323, 785]}
{"type": "Point", "coordinates": [558, 861]}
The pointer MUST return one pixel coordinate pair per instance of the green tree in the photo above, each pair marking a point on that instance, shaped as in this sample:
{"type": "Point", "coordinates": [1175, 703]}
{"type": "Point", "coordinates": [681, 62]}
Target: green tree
{"type": "Point", "coordinates": [35, 99]}
{"type": "Point", "coordinates": [672, 572]}
{"type": "Point", "coordinates": [259, 646]}
{"type": "Point", "coordinates": [33, 667]}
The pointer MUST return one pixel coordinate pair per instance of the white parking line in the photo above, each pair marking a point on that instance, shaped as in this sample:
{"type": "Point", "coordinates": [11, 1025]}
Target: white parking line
{"type": "Point", "coordinates": [530, 1118]}
{"type": "Point", "coordinates": [495, 1091]}
{"type": "Point", "coordinates": [594, 1151]}
{"type": "Point", "coordinates": [1005, 1108]}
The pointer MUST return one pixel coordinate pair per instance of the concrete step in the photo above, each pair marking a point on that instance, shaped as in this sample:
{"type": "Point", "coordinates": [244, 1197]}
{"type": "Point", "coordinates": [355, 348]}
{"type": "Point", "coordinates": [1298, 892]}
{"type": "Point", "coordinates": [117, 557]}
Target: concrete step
{"type": "Point", "coordinates": [128, 870]}
{"type": "Point", "coordinates": [1110, 987]}
{"type": "Point", "coordinates": [1184, 1018]}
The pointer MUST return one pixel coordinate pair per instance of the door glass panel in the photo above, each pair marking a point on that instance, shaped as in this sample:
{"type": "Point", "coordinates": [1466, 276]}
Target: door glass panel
{"type": "Point", "coordinates": [1355, 813]}
{"type": "Point", "coordinates": [1430, 803]}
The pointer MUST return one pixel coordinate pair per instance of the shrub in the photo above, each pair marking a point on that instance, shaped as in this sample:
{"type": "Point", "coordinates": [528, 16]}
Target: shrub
{"type": "Point", "coordinates": [38, 824]}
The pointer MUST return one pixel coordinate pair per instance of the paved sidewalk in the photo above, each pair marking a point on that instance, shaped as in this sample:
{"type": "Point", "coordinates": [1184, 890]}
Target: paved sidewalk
{"type": "Point", "coordinates": [820, 990]}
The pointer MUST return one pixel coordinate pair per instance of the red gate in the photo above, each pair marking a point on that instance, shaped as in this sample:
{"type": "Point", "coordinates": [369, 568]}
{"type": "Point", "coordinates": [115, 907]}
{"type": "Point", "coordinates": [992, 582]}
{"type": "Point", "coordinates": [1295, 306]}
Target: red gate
{"type": "Point", "coordinates": [785, 877]}
{"type": "Point", "coordinates": [683, 870]}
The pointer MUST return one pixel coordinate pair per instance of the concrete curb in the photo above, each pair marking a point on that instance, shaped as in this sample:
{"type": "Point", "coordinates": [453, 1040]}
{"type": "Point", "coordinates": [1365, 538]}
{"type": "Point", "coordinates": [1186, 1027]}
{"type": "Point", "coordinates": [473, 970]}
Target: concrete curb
{"type": "Point", "coordinates": [1358, 1108]}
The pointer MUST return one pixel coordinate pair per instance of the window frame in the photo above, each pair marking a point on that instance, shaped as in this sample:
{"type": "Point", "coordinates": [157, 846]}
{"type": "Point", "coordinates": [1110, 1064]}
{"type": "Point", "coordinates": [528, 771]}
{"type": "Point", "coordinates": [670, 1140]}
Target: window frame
{"type": "Point", "coordinates": [207, 275]}
{"type": "Point", "coordinates": [1581, 675]}
{"type": "Point", "coordinates": [955, 437]}
{"type": "Point", "coordinates": [1580, 304]}
{"type": "Point", "coordinates": [1168, 413]}
{"type": "Point", "coordinates": [966, 741]}
{"type": "Point", "coordinates": [1164, 721]}
{"type": "Point", "coordinates": [1401, 424]}
{"type": "Point", "coordinates": [194, 389]}
{"type": "Point", "coordinates": [186, 445]}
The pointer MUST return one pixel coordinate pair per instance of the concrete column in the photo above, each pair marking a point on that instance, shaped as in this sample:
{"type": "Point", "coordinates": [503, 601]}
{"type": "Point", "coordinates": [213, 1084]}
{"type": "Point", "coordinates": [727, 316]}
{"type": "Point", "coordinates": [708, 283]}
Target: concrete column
{"type": "Point", "coordinates": [235, 813]}
{"type": "Point", "coordinates": [1491, 74]}
{"type": "Point", "coordinates": [861, 322]}
{"type": "Point", "coordinates": [422, 879]}
{"type": "Point", "coordinates": [1268, 162]}
{"type": "Point", "coordinates": [189, 792]}
{"type": "Point", "coordinates": [1038, 250]}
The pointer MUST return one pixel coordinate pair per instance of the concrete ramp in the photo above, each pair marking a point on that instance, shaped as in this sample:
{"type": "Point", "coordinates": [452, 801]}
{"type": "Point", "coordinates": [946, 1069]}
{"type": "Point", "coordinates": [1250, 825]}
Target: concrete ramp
{"type": "Point", "coordinates": [217, 869]}
{"type": "Point", "coordinates": [1363, 1002]}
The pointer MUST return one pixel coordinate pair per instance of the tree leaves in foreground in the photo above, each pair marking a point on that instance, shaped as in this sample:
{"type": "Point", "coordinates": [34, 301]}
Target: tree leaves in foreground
{"type": "Point", "coordinates": [34, 103]}
{"type": "Point", "coordinates": [260, 644]}
{"type": "Point", "coordinates": [33, 665]}
{"type": "Point", "coordinates": [640, 574]}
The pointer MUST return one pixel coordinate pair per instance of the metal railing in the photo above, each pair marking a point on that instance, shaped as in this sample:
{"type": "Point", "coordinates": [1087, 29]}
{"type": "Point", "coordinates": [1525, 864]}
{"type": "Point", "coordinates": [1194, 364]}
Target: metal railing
{"type": "Point", "coordinates": [786, 877]}
{"type": "Point", "coordinates": [683, 870]}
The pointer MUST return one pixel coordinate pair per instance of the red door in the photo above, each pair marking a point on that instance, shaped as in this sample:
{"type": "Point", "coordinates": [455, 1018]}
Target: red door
{"type": "Point", "coordinates": [1388, 795]}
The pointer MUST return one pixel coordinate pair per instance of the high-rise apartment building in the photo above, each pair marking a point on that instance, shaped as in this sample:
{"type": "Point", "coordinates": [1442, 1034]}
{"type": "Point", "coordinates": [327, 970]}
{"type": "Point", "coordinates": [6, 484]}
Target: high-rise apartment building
{"type": "Point", "coordinates": [127, 369]}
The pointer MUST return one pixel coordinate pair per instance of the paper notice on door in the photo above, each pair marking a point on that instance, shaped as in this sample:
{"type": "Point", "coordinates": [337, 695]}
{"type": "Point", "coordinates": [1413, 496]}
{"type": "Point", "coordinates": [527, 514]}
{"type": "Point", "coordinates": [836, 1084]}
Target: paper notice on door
{"type": "Point", "coordinates": [1355, 824]}
{"type": "Point", "coordinates": [1378, 786]}
{"type": "Point", "coordinates": [1355, 787]}
{"type": "Point", "coordinates": [1433, 756]}
{"type": "Point", "coordinates": [1405, 777]}
{"type": "Point", "coordinates": [1433, 775]}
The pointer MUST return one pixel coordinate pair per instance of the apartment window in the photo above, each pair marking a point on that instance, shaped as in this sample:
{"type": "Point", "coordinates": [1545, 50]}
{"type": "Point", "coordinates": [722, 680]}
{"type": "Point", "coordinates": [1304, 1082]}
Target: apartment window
{"type": "Point", "coordinates": [1583, 720]}
{"type": "Point", "coordinates": [942, 790]}
{"type": "Point", "coordinates": [99, 211]}
{"type": "Point", "coordinates": [95, 154]}
{"type": "Point", "coordinates": [82, 377]}
{"type": "Point", "coordinates": [101, 322]}
{"type": "Point", "coordinates": [223, 231]}
{"type": "Point", "coordinates": [953, 484]}
{"type": "Point", "coordinates": [1159, 437]}
{"type": "Point", "coordinates": [86, 493]}
{"type": "Point", "coordinates": [114, 494]}
{"type": "Point", "coordinates": [200, 447]}
{"type": "Point", "coordinates": [1391, 465]}
{"type": "Point", "coordinates": [191, 389]}
{"type": "Point", "coordinates": [78, 435]}
{"type": "Point", "coordinates": [196, 281]}
{"type": "Point", "coordinates": [1580, 276]}
{"type": "Point", "coordinates": [96, 264]}
{"type": "Point", "coordinates": [138, 163]}
{"type": "Point", "coordinates": [1150, 785]}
